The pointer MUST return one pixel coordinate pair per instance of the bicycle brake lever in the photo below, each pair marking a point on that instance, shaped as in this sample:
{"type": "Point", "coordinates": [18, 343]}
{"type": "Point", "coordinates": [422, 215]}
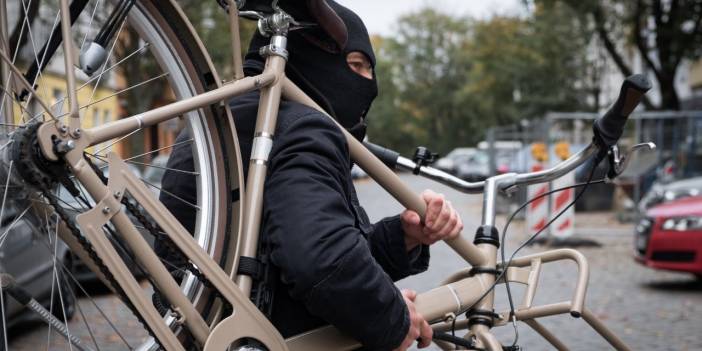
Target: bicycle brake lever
{"type": "Point", "coordinates": [618, 162]}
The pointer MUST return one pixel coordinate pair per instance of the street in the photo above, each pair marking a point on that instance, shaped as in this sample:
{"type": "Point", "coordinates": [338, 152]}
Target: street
{"type": "Point", "coordinates": [649, 310]}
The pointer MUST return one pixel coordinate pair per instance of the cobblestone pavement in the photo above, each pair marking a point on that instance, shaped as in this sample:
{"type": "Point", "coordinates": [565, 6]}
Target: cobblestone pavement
{"type": "Point", "coordinates": [649, 310]}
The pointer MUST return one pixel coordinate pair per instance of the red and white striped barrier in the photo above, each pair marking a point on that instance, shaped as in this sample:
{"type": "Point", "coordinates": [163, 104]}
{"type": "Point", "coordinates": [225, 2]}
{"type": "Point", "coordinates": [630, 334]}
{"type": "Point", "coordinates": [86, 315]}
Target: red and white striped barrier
{"type": "Point", "coordinates": [563, 227]}
{"type": "Point", "coordinates": [537, 214]}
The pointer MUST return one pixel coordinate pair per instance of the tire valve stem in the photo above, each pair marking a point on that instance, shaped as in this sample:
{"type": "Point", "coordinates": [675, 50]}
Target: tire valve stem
{"type": "Point", "coordinates": [8, 284]}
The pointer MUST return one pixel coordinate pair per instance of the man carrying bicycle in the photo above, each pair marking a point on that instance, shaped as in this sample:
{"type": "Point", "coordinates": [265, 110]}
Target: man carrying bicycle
{"type": "Point", "coordinates": [329, 264]}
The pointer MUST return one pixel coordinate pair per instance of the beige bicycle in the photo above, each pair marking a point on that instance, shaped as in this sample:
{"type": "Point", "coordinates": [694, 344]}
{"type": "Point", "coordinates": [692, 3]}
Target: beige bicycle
{"type": "Point", "coordinates": [70, 167]}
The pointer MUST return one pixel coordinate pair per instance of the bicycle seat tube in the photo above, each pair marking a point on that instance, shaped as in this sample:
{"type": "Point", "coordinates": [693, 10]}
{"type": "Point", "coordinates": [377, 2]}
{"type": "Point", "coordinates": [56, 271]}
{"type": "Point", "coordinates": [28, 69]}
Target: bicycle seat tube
{"type": "Point", "coordinates": [276, 55]}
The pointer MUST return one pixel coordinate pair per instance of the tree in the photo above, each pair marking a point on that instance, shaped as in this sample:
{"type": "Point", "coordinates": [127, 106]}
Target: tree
{"type": "Point", "coordinates": [664, 32]}
{"type": "Point", "coordinates": [444, 80]}
{"type": "Point", "coordinates": [421, 71]}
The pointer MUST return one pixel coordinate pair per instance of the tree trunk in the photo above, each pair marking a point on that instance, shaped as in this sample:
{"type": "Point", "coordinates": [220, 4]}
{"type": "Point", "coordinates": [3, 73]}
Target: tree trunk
{"type": "Point", "coordinates": [669, 95]}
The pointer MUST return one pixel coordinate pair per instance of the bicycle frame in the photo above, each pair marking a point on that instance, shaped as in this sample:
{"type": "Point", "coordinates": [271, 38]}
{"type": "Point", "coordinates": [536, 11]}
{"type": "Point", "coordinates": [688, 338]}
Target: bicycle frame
{"type": "Point", "coordinates": [459, 291]}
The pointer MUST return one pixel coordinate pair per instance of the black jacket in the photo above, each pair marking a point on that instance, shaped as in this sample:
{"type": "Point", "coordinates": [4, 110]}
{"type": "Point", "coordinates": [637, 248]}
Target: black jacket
{"type": "Point", "coordinates": [333, 265]}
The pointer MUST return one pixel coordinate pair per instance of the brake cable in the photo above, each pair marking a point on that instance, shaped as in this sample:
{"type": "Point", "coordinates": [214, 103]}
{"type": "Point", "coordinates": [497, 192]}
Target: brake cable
{"type": "Point", "coordinates": [502, 273]}
{"type": "Point", "coordinates": [584, 186]}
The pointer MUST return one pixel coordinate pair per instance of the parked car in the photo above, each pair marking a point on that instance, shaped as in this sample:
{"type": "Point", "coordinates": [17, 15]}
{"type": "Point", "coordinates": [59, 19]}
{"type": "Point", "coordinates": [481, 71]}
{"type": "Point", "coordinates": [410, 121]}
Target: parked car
{"type": "Point", "coordinates": [450, 162]}
{"type": "Point", "coordinates": [506, 154]}
{"type": "Point", "coordinates": [669, 236]}
{"type": "Point", "coordinates": [660, 192]}
{"type": "Point", "coordinates": [475, 167]}
{"type": "Point", "coordinates": [26, 255]}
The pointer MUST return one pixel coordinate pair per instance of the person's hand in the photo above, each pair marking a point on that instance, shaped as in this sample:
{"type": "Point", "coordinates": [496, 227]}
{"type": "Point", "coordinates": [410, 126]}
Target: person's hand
{"type": "Point", "coordinates": [419, 328]}
{"type": "Point", "coordinates": [440, 223]}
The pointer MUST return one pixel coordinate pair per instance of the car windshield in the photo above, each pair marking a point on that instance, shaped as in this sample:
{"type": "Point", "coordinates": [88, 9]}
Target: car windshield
{"type": "Point", "coordinates": [480, 157]}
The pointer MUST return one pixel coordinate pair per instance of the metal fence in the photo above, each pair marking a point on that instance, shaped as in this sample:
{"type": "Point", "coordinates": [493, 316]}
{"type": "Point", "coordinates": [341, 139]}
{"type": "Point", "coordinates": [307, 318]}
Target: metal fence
{"type": "Point", "coordinates": [677, 134]}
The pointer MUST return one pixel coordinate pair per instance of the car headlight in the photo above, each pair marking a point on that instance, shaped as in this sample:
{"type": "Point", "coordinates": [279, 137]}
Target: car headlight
{"type": "Point", "coordinates": [682, 224]}
{"type": "Point", "coordinates": [670, 195]}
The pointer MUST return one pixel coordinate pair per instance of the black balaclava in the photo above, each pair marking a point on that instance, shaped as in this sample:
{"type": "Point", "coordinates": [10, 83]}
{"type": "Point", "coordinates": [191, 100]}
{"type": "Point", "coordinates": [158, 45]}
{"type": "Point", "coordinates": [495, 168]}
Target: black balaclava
{"type": "Point", "coordinates": [318, 66]}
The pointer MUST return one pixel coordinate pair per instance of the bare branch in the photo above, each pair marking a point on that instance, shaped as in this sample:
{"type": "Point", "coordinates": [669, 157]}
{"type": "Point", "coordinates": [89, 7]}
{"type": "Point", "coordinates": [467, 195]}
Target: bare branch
{"type": "Point", "coordinates": [640, 40]}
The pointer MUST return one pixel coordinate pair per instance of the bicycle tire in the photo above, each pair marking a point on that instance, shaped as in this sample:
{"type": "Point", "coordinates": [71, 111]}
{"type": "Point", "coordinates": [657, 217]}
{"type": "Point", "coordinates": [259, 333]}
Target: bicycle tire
{"type": "Point", "coordinates": [177, 49]}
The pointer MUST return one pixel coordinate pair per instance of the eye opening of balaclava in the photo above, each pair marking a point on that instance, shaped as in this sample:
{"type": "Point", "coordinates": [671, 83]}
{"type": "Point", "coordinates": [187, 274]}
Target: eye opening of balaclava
{"type": "Point", "coordinates": [319, 67]}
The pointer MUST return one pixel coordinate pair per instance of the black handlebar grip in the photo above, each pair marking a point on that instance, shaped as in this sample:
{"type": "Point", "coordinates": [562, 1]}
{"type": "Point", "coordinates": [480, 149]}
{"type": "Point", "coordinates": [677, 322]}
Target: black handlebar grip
{"type": "Point", "coordinates": [387, 156]}
{"type": "Point", "coordinates": [609, 128]}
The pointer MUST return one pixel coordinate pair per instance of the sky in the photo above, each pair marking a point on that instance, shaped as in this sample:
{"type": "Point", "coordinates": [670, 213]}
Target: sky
{"type": "Point", "coordinates": [380, 15]}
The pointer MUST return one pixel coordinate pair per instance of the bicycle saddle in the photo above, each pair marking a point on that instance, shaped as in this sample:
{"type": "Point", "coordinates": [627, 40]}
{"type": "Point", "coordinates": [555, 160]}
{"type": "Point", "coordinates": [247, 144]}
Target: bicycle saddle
{"type": "Point", "coordinates": [316, 11]}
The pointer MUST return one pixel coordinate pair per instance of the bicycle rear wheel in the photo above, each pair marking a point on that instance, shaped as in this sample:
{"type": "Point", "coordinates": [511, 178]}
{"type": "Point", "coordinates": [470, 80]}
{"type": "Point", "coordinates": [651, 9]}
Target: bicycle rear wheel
{"type": "Point", "coordinates": [155, 58]}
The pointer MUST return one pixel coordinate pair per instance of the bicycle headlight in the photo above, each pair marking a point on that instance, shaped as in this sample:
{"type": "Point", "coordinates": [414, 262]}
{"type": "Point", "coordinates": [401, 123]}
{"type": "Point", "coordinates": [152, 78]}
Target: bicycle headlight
{"type": "Point", "coordinates": [682, 224]}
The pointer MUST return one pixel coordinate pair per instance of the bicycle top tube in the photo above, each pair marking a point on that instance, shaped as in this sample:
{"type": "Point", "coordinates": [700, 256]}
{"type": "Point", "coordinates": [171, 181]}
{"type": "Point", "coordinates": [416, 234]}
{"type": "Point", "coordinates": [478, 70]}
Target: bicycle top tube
{"type": "Point", "coordinates": [506, 181]}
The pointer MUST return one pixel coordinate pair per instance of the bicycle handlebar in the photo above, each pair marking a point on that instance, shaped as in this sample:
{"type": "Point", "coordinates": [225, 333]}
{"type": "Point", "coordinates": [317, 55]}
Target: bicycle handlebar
{"type": "Point", "coordinates": [608, 129]}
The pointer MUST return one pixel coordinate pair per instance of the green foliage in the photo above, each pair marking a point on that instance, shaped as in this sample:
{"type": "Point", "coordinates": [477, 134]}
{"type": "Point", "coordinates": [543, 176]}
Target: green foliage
{"type": "Point", "coordinates": [664, 33]}
{"type": "Point", "coordinates": [444, 79]}
{"type": "Point", "coordinates": [212, 25]}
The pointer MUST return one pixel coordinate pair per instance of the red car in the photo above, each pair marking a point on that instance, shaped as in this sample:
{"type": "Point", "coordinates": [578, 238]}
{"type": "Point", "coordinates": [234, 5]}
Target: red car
{"type": "Point", "coordinates": [670, 236]}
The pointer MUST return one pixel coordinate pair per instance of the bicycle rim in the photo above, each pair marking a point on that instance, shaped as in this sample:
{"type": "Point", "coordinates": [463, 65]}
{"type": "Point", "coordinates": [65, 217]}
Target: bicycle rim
{"type": "Point", "coordinates": [164, 40]}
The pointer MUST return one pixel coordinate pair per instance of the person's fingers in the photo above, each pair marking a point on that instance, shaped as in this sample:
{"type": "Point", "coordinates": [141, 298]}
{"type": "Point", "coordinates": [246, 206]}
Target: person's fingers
{"type": "Point", "coordinates": [457, 229]}
{"type": "Point", "coordinates": [441, 220]}
{"type": "Point", "coordinates": [428, 194]}
{"type": "Point", "coordinates": [449, 223]}
{"type": "Point", "coordinates": [409, 294]}
{"type": "Point", "coordinates": [410, 217]}
{"type": "Point", "coordinates": [434, 207]}
{"type": "Point", "coordinates": [426, 334]}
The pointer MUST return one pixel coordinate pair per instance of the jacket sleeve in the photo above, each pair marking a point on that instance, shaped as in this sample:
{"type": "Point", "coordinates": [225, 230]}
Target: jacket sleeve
{"type": "Point", "coordinates": [322, 256]}
{"type": "Point", "coordinates": [387, 245]}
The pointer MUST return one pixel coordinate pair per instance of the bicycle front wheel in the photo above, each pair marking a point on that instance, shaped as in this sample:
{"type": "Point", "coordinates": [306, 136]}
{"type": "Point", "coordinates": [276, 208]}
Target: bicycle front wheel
{"type": "Point", "coordinates": [153, 58]}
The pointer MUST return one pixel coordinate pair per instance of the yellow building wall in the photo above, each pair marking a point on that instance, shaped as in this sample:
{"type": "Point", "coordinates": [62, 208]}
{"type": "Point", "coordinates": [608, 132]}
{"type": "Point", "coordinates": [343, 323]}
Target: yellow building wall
{"type": "Point", "coordinates": [95, 108]}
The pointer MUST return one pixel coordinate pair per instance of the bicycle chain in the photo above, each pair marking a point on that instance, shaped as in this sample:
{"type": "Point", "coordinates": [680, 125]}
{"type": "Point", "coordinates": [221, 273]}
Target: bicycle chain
{"type": "Point", "coordinates": [33, 175]}
{"type": "Point", "coordinates": [153, 229]}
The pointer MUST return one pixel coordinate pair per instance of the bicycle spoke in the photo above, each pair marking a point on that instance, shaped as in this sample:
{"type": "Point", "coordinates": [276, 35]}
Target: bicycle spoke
{"type": "Point", "coordinates": [165, 168]}
{"type": "Point", "coordinates": [171, 194]}
{"type": "Point", "coordinates": [118, 140]}
{"type": "Point", "coordinates": [70, 275]}
{"type": "Point", "coordinates": [97, 307]}
{"type": "Point", "coordinates": [4, 235]}
{"type": "Point", "coordinates": [34, 51]}
{"type": "Point", "coordinates": [90, 23]}
{"type": "Point", "coordinates": [160, 149]}
{"type": "Point", "coordinates": [61, 100]}
{"type": "Point", "coordinates": [22, 109]}
{"type": "Point", "coordinates": [85, 321]}
{"type": "Point", "coordinates": [24, 82]}
{"type": "Point", "coordinates": [40, 64]}
{"type": "Point", "coordinates": [104, 65]}
{"type": "Point", "coordinates": [14, 59]}
{"type": "Point", "coordinates": [125, 90]}
{"type": "Point", "coordinates": [4, 320]}
{"type": "Point", "coordinates": [163, 77]}
{"type": "Point", "coordinates": [7, 186]}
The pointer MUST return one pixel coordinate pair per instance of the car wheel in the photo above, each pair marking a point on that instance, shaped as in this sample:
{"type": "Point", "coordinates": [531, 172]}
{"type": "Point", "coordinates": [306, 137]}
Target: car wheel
{"type": "Point", "coordinates": [68, 292]}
